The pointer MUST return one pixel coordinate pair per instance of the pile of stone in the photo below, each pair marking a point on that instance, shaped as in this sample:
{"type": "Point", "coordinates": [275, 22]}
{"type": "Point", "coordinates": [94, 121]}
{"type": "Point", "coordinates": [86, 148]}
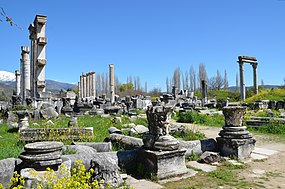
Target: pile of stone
{"type": "Point", "coordinates": [41, 155]}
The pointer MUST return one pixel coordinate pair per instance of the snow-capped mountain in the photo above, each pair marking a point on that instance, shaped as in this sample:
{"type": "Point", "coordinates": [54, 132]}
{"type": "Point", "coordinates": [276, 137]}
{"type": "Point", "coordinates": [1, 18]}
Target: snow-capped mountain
{"type": "Point", "coordinates": [7, 77]}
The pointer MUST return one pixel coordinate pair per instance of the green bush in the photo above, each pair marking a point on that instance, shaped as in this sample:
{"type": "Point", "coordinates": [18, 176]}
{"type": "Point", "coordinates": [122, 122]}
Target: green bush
{"type": "Point", "coordinates": [272, 129]}
{"type": "Point", "coordinates": [189, 135]}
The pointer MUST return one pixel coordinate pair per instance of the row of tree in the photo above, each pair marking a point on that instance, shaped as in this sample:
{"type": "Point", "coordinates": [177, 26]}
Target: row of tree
{"type": "Point", "coordinates": [131, 87]}
{"type": "Point", "coordinates": [192, 81]}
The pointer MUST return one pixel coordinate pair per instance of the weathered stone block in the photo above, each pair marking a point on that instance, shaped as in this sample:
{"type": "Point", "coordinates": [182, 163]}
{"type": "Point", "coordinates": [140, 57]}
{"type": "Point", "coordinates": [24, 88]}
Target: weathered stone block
{"type": "Point", "coordinates": [7, 167]}
{"type": "Point", "coordinates": [240, 148]}
{"type": "Point", "coordinates": [164, 164]}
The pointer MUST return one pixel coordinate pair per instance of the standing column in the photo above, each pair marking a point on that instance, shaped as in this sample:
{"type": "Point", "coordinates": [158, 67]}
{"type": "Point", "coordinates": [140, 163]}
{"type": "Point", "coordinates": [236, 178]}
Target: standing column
{"type": "Point", "coordinates": [93, 84]}
{"type": "Point", "coordinates": [81, 86]}
{"type": "Point", "coordinates": [87, 84]}
{"type": "Point", "coordinates": [26, 71]}
{"type": "Point", "coordinates": [33, 60]}
{"type": "Point", "coordinates": [204, 92]}
{"type": "Point", "coordinates": [112, 83]}
{"type": "Point", "coordinates": [90, 84]}
{"type": "Point", "coordinates": [79, 90]}
{"type": "Point", "coordinates": [84, 85]}
{"type": "Point", "coordinates": [18, 80]}
{"type": "Point", "coordinates": [40, 53]}
{"type": "Point", "coordinates": [255, 81]}
{"type": "Point", "coordinates": [242, 84]}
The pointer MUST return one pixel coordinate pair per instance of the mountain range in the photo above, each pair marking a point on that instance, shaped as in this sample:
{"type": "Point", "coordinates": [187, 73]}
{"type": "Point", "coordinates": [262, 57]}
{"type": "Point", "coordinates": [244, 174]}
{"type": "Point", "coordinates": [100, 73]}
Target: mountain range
{"type": "Point", "coordinates": [8, 83]}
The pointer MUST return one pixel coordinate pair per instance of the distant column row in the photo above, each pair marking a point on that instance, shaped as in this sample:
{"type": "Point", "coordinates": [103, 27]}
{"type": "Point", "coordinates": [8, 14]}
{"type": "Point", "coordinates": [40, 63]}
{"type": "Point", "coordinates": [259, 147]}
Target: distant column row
{"type": "Point", "coordinates": [87, 85]}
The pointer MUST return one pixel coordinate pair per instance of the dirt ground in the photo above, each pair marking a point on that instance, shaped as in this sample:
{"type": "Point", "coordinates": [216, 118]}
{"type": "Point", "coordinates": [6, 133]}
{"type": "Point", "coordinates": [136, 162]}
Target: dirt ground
{"type": "Point", "coordinates": [270, 172]}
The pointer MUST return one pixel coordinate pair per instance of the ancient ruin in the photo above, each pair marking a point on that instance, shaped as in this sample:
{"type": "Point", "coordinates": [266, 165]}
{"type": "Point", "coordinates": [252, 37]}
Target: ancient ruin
{"type": "Point", "coordinates": [161, 155]}
{"type": "Point", "coordinates": [87, 85]}
{"type": "Point", "coordinates": [41, 155]}
{"type": "Point", "coordinates": [253, 62]}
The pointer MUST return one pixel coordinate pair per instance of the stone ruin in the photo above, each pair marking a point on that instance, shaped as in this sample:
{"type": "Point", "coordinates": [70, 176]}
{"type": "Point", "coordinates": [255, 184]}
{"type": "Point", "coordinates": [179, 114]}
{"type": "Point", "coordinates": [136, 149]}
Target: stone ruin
{"type": "Point", "coordinates": [158, 137]}
{"type": "Point", "coordinates": [234, 139]}
{"type": "Point", "coordinates": [41, 155]}
{"type": "Point", "coordinates": [161, 154]}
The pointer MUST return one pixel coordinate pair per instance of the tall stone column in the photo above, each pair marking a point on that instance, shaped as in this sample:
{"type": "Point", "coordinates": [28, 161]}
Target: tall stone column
{"type": "Point", "coordinates": [93, 92]}
{"type": "Point", "coordinates": [81, 86]}
{"type": "Point", "coordinates": [204, 92]}
{"type": "Point", "coordinates": [112, 83]}
{"type": "Point", "coordinates": [255, 80]}
{"type": "Point", "coordinates": [87, 84]}
{"type": "Point", "coordinates": [90, 84]}
{"type": "Point", "coordinates": [25, 60]}
{"type": "Point", "coordinates": [79, 90]}
{"type": "Point", "coordinates": [38, 44]}
{"type": "Point", "coordinates": [84, 86]}
{"type": "Point", "coordinates": [18, 82]}
{"type": "Point", "coordinates": [33, 58]}
{"type": "Point", "coordinates": [242, 84]}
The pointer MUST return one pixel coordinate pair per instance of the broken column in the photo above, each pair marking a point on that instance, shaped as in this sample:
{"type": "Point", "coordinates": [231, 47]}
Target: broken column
{"type": "Point", "coordinates": [18, 82]}
{"type": "Point", "coordinates": [112, 83]}
{"type": "Point", "coordinates": [25, 61]}
{"type": "Point", "coordinates": [204, 92]}
{"type": "Point", "coordinates": [38, 46]}
{"type": "Point", "coordinates": [234, 139]}
{"type": "Point", "coordinates": [161, 154]}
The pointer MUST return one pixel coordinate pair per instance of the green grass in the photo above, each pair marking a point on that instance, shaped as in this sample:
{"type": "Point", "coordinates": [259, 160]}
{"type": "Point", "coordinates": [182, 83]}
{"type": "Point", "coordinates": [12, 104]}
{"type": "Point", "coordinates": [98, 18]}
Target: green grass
{"type": "Point", "coordinates": [9, 142]}
{"type": "Point", "coordinates": [196, 118]}
{"type": "Point", "coordinates": [268, 94]}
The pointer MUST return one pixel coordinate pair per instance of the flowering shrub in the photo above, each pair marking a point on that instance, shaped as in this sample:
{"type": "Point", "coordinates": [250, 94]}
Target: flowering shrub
{"type": "Point", "coordinates": [79, 178]}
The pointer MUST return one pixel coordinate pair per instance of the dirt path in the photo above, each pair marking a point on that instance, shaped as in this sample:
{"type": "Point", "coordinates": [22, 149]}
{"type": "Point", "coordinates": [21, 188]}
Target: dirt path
{"type": "Point", "coordinates": [269, 173]}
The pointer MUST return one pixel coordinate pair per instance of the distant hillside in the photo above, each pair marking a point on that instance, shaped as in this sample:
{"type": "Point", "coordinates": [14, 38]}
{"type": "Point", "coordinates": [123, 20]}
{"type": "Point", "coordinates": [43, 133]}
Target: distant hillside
{"type": "Point", "coordinates": [56, 85]}
{"type": "Point", "coordinates": [233, 88]}
{"type": "Point", "coordinates": [8, 89]}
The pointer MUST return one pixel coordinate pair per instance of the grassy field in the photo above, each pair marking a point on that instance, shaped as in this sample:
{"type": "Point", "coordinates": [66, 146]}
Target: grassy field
{"type": "Point", "coordinates": [11, 146]}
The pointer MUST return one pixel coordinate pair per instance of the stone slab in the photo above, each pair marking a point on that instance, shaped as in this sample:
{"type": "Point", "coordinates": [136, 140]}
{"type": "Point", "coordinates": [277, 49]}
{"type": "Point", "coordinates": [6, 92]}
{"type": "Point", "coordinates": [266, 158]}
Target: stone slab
{"type": "Point", "coordinates": [142, 183]}
{"type": "Point", "coordinates": [40, 157]}
{"type": "Point", "coordinates": [42, 147]}
{"type": "Point", "coordinates": [204, 167]}
{"type": "Point", "coordinates": [255, 156]}
{"type": "Point", "coordinates": [190, 173]}
{"type": "Point", "coordinates": [264, 151]}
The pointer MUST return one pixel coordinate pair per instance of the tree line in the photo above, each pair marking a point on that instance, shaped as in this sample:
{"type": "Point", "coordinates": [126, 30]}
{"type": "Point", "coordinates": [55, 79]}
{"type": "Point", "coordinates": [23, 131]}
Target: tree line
{"type": "Point", "coordinates": [192, 80]}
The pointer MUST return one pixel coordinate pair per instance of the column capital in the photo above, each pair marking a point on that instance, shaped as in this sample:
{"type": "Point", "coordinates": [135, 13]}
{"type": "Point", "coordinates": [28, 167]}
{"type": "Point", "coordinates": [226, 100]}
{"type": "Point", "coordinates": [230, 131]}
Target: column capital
{"type": "Point", "coordinates": [254, 65]}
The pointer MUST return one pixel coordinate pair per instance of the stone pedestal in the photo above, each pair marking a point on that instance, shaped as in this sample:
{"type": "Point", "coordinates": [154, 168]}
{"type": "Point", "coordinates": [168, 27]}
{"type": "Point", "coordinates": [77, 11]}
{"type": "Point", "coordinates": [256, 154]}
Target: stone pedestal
{"type": "Point", "coordinates": [41, 155]}
{"type": "Point", "coordinates": [162, 155]}
{"type": "Point", "coordinates": [234, 139]}
{"type": "Point", "coordinates": [164, 164]}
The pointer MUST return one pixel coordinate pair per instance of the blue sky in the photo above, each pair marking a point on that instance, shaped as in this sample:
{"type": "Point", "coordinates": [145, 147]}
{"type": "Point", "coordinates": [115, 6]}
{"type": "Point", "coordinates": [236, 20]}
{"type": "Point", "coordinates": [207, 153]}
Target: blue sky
{"type": "Point", "coordinates": [150, 38]}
